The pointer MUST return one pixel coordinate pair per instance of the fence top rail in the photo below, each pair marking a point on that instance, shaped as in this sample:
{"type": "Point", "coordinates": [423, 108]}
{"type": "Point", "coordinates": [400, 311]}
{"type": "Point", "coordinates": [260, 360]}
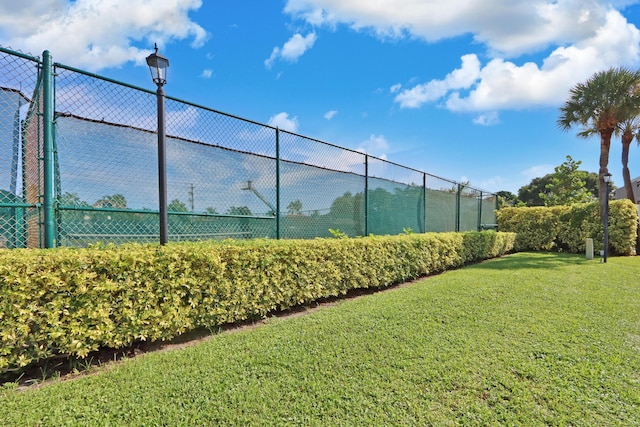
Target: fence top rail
{"type": "Point", "coordinates": [20, 54]}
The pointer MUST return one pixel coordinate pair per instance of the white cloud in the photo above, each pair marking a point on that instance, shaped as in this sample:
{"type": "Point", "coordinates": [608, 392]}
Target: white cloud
{"type": "Point", "coordinates": [330, 114]}
{"type": "Point", "coordinates": [503, 84]}
{"type": "Point", "coordinates": [495, 183]}
{"type": "Point", "coordinates": [282, 121]}
{"type": "Point", "coordinates": [507, 26]}
{"type": "Point", "coordinates": [582, 37]}
{"type": "Point", "coordinates": [181, 121]}
{"type": "Point", "coordinates": [206, 74]}
{"type": "Point", "coordinates": [376, 145]}
{"type": "Point", "coordinates": [96, 34]}
{"type": "Point", "coordinates": [395, 88]}
{"type": "Point", "coordinates": [487, 119]}
{"type": "Point", "coordinates": [293, 49]}
{"type": "Point", "coordinates": [461, 78]}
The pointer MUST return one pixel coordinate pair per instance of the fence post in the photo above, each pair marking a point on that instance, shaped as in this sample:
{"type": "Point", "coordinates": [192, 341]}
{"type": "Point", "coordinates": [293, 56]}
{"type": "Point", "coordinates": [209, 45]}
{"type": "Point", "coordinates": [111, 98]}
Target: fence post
{"type": "Point", "coordinates": [48, 156]}
{"type": "Point", "coordinates": [278, 183]}
{"type": "Point", "coordinates": [458, 194]}
{"type": "Point", "coordinates": [366, 194]}
{"type": "Point", "coordinates": [480, 212]}
{"type": "Point", "coordinates": [424, 202]}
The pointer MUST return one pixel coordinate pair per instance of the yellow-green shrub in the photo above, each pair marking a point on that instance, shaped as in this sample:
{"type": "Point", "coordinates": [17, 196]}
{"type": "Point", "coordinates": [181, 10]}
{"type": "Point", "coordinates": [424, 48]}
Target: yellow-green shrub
{"type": "Point", "coordinates": [536, 228]}
{"type": "Point", "coordinates": [73, 301]}
{"type": "Point", "coordinates": [567, 227]}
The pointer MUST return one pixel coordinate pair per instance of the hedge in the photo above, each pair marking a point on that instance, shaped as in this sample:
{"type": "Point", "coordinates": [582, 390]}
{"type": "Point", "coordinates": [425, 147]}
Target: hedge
{"type": "Point", "coordinates": [73, 301]}
{"type": "Point", "coordinates": [566, 228]}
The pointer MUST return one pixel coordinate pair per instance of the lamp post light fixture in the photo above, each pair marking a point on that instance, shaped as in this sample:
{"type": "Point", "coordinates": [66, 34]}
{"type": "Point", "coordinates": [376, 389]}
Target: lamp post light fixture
{"type": "Point", "coordinates": [607, 182]}
{"type": "Point", "coordinates": [158, 65]}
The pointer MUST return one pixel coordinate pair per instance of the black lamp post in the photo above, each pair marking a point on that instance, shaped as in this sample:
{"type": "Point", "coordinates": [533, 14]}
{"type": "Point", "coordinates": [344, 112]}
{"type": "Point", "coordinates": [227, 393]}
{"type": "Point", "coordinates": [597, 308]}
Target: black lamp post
{"type": "Point", "coordinates": [607, 181]}
{"type": "Point", "coordinates": [158, 65]}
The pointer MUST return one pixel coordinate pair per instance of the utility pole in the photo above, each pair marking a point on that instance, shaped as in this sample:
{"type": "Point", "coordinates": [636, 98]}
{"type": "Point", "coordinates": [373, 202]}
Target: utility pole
{"type": "Point", "coordinates": [191, 197]}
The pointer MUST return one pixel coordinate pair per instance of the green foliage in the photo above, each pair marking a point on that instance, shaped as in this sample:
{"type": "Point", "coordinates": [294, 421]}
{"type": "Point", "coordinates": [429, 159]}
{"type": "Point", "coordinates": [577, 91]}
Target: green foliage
{"type": "Point", "coordinates": [530, 194]}
{"type": "Point", "coordinates": [567, 185]}
{"type": "Point", "coordinates": [337, 233]}
{"type": "Point", "coordinates": [507, 198]}
{"type": "Point", "coordinates": [111, 201]}
{"type": "Point", "coordinates": [536, 227]}
{"type": "Point", "coordinates": [566, 227]}
{"type": "Point", "coordinates": [177, 206]}
{"type": "Point", "coordinates": [74, 301]}
{"type": "Point", "coordinates": [71, 199]}
{"type": "Point", "coordinates": [295, 207]}
{"type": "Point", "coordinates": [239, 210]}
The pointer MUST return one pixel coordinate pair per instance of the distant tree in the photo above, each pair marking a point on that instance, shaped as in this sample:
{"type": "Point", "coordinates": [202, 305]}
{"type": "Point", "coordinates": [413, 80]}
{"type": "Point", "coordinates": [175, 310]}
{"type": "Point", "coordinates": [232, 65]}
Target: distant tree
{"type": "Point", "coordinates": [295, 207]}
{"type": "Point", "coordinates": [507, 198]}
{"type": "Point", "coordinates": [539, 189]}
{"type": "Point", "coordinates": [239, 210]}
{"type": "Point", "coordinates": [567, 185]}
{"type": "Point", "coordinates": [591, 183]}
{"type": "Point", "coordinates": [342, 204]}
{"type": "Point", "coordinates": [530, 194]}
{"type": "Point", "coordinates": [462, 187]}
{"type": "Point", "coordinates": [177, 206]}
{"type": "Point", "coordinates": [211, 210]}
{"type": "Point", "coordinates": [71, 199]}
{"type": "Point", "coordinates": [113, 201]}
{"type": "Point", "coordinates": [347, 211]}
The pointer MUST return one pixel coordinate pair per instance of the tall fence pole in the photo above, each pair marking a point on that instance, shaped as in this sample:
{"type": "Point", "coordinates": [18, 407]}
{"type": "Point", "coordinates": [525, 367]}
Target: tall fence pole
{"type": "Point", "coordinates": [458, 206]}
{"type": "Point", "coordinates": [480, 212]}
{"type": "Point", "coordinates": [48, 155]}
{"type": "Point", "coordinates": [278, 183]}
{"type": "Point", "coordinates": [366, 194]}
{"type": "Point", "coordinates": [424, 202]}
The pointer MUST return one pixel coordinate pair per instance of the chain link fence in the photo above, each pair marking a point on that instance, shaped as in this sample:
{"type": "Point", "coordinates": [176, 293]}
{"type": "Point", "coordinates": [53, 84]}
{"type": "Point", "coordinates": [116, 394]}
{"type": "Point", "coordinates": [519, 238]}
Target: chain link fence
{"type": "Point", "coordinates": [21, 178]}
{"type": "Point", "coordinates": [227, 177]}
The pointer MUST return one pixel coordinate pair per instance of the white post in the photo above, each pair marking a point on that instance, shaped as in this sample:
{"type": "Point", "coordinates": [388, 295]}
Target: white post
{"type": "Point", "coordinates": [589, 250]}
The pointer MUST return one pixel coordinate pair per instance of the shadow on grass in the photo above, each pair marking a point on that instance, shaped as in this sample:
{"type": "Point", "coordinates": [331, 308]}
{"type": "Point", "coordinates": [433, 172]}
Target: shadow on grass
{"type": "Point", "coordinates": [537, 260]}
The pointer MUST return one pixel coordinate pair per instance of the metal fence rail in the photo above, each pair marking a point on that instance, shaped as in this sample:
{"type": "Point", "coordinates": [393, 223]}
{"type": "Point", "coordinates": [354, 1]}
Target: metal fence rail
{"type": "Point", "coordinates": [78, 165]}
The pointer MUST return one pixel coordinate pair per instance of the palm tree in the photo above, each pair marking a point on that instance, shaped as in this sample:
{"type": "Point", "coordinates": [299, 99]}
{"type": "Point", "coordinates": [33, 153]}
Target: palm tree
{"type": "Point", "coordinates": [295, 207]}
{"type": "Point", "coordinates": [600, 105]}
{"type": "Point", "coordinates": [629, 130]}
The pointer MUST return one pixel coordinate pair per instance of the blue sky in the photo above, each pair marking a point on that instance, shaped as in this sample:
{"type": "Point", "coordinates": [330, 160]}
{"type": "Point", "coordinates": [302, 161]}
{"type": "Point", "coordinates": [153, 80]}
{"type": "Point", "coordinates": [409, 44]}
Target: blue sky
{"type": "Point", "coordinates": [462, 89]}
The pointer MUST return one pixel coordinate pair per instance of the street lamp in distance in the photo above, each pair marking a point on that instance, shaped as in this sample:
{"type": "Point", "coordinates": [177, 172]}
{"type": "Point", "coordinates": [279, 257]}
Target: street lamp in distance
{"type": "Point", "coordinates": [607, 182]}
{"type": "Point", "coordinates": [158, 65]}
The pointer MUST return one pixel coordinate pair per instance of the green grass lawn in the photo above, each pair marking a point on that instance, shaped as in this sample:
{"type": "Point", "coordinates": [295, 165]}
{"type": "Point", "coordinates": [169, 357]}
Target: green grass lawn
{"type": "Point", "coordinates": [529, 339]}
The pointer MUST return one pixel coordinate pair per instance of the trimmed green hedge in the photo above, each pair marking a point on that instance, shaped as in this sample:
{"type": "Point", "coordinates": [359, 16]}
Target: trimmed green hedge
{"type": "Point", "coordinates": [73, 301]}
{"type": "Point", "coordinates": [566, 228]}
